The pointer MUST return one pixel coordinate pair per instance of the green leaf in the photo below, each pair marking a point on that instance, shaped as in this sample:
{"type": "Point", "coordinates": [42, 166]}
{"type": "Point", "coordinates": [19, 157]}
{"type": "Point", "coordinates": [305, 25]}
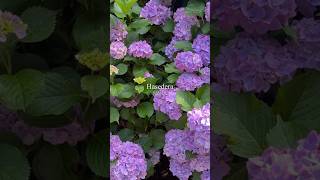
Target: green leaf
{"type": "Point", "coordinates": [171, 68]}
{"type": "Point", "coordinates": [172, 78]}
{"type": "Point", "coordinates": [195, 8]}
{"type": "Point", "coordinates": [139, 88]}
{"type": "Point", "coordinates": [41, 23]}
{"type": "Point", "coordinates": [13, 164]}
{"type": "Point", "coordinates": [205, 28]}
{"type": "Point", "coordinates": [180, 124]}
{"type": "Point", "coordinates": [184, 45]}
{"type": "Point", "coordinates": [285, 134]}
{"type": "Point", "coordinates": [18, 91]}
{"type": "Point", "coordinates": [168, 26]}
{"type": "Point", "coordinates": [291, 33]}
{"type": "Point", "coordinates": [125, 5]}
{"type": "Point", "coordinates": [158, 138]}
{"type": "Point", "coordinates": [145, 142]}
{"type": "Point", "coordinates": [298, 101]}
{"type": "Point", "coordinates": [161, 117]}
{"type": "Point", "coordinates": [90, 32]}
{"type": "Point", "coordinates": [122, 90]}
{"type": "Point", "coordinates": [114, 115]}
{"type": "Point", "coordinates": [123, 68]}
{"type": "Point", "coordinates": [57, 96]}
{"type": "Point", "coordinates": [55, 162]}
{"type": "Point", "coordinates": [141, 26]}
{"type": "Point", "coordinates": [145, 109]}
{"type": "Point", "coordinates": [97, 154]}
{"type": "Point", "coordinates": [245, 120]}
{"type": "Point", "coordinates": [95, 85]}
{"type": "Point", "coordinates": [126, 134]}
{"type": "Point", "coordinates": [157, 59]}
{"type": "Point", "coordinates": [203, 94]}
{"type": "Point", "coordinates": [196, 176]}
{"type": "Point", "coordinates": [185, 100]}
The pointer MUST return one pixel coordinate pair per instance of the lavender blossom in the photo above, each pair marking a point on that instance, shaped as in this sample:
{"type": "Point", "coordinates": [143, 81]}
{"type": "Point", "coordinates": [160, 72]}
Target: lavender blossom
{"type": "Point", "coordinates": [10, 23]}
{"type": "Point", "coordinates": [155, 12]}
{"type": "Point", "coordinates": [140, 49]}
{"type": "Point", "coordinates": [118, 50]}
{"type": "Point", "coordinates": [118, 31]}
{"type": "Point", "coordinates": [171, 49]}
{"type": "Point", "coordinates": [189, 81]}
{"type": "Point", "coordinates": [188, 61]}
{"type": "Point", "coordinates": [165, 101]}
{"type": "Point", "coordinates": [201, 45]}
{"type": "Point", "coordinates": [207, 11]}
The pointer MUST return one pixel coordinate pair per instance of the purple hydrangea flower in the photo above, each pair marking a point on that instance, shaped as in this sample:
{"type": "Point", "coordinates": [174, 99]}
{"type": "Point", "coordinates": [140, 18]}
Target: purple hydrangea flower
{"type": "Point", "coordinates": [199, 119]}
{"type": "Point", "coordinates": [71, 134]}
{"type": "Point", "coordinates": [166, 2]}
{"type": "Point", "coordinates": [155, 12]}
{"type": "Point", "coordinates": [154, 156]}
{"type": "Point", "coordinates": [118, 31]}
{"type": "Point", "coordinates": [255, 16]}
{"type": "Point", "coordinates": [300, 163]}
{"type": "Point", "coordinates": [189, 81]}
{"type": "Point", "coordinates": [171, 49]}
{"type": "Point", "coordinates": [165, 101]}
{"type": "Point", "coordinates": [201, 45]}
{"type": "Point", "coordinates": [182, 31]}
{"type": "Point", "coordinates": [140, 49]}
{"type": "Point", "coordinates": [128, 160]}
{"type": "Point", "coordinates": [118, 50]}
{"type": "Point", "coordinates": [205, 75]}
{"type": "Point", "coordinates": [207, 11]}
{"type": "Point", "coordinates": [147, 75]}
{"type": "Point", "coordinates": [181, 16]}
{"type": "Point", "coordinates": [200, 163]}
{"type": "Point", "coordinates": [205, 175]}
{"type": "Point", "coordinates": [26, 133]}
{"type": "Point", "coordinates": [127, 104]}
{"type": "Point", "coordinates": [252, 64]}
{"type": "Point", "coordinates": [180, 169]}
{"type": "Point", "coordinates": [188, 61]}
{"type": "Point", "coordinates": [307, 7]}
{"type": "Point", "coordinates": [10, 23]}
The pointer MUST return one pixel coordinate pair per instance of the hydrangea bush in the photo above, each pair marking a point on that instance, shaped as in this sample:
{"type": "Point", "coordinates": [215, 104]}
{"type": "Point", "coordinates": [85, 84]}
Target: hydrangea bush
{"type": "Point", "coordinates": [265, 87]}
{"type": "Point", "coordinates": [160, 91]}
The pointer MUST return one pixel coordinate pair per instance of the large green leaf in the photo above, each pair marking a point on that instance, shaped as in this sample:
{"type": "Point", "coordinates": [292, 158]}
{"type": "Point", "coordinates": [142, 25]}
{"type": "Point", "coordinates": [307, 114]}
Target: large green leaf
{"type": "Point", "coordinates": [97, 154]}
{"type": "Point", "coordinates": [57, 96]}
{"type": "Point", "coordinates": [55, 162]}
{"type": "Point", "coordinates": [18, 91]}
{"type": "Point", "coordinates": [122, 90]}
{"type": "Point", "coordinates": [245, 120]}
{"type": "Point", "coordinates": [41, 23]}
{"type": "Point", "coordinates": [114, 115]}
{"type": "Point", "coordinates": [185, 100]}
{"type": "Point", "coordinates": [95, 85]}
{"type": "Point", "coordinates": [13, 164]}
{"type": "Point", "coordinates": [285, 134]}
{"type": "Point", "coordinates": [298, 101]}
{"type": "Point", "coordinates": [145, 109]}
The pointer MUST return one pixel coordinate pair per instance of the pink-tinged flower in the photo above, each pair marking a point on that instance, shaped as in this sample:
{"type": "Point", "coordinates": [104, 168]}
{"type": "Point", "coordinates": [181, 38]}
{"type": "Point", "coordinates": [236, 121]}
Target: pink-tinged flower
{"type": "Point", "coordinates": [140, 49]}
{"type": "Point", "coordinates": [118, 50]}
{"type": "Point", "coordinates": [201, 45]}
{"type": "Point", "coordinates": [10, 23]}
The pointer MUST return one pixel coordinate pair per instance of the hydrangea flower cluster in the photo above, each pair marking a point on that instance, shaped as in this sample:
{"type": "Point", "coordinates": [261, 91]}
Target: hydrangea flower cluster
{"type": "Point", "coordinates": [171, 49]}
{"type": "Point", "coordinates": [165, 101]}
{"type": "Point", "coordinates": [208, 11]}
{"type": "Point", "coordinates": [11, 24]}
{"type": "Point", "coordinates": [189, 81]}
{"type": "Point", "coordinates": [188, 61]}
{"type": "Point", "coordinates": [155, 12]}
{"type": "Point", "coordinates": [189, 149]}
{"type": "Point", "coordinates": [252, 64]}
{"type": "Point", "coordinates": [128, 160]}
{"type": "Point", "coordinates": [201, 46]}
{"type": "Point", "coordinates": [118, 50]}
{"type": "Point", "coordinates": [118, 32]}
{"type": "Point", "coordinates": [306, 53]}
{"type": "Point", "coordinates": [140, 49]}
{"type": "Point", "coordinates": [253, 15]}
{"type": "Point", "coordinates": [127, 104]}
{"type": "Point", "coordinates": [300, 163]}
{"type": "Point", "coordinates": [184, 23]}
{"type": "Point", "coordinates": [71, 133]}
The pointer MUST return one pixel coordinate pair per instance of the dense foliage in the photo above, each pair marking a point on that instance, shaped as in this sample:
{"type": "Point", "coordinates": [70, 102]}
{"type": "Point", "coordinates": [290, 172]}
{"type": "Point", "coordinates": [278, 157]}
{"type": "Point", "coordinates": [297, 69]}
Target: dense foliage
{"type": "Point", "coordinates": [265, 81]}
